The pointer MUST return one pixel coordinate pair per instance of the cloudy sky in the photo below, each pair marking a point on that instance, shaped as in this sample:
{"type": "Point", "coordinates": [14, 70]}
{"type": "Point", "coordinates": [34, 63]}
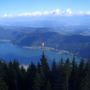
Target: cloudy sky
{"type": "Point", "coordinates": [14, 8]}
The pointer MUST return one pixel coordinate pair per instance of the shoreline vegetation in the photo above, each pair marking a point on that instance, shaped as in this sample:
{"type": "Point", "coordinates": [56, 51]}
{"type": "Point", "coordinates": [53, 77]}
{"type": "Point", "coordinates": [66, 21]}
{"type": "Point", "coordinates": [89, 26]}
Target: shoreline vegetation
{"type": "Point", "coordinates": [66, 75]}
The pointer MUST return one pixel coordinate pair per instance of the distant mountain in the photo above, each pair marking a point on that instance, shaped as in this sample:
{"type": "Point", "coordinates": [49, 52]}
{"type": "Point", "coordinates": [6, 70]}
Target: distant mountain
{"type": "Point", "coordinates": [77, 44]}
{"type": "Point", "coordinates": [75, 39]}
{"type": "Point", "coordinates": [62, 29]}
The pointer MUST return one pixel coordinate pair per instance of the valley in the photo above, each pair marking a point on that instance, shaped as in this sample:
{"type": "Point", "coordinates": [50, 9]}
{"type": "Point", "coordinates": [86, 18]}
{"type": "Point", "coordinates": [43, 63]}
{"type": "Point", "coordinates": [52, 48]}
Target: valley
{"type": "Point", "coordinates": [52, 37]}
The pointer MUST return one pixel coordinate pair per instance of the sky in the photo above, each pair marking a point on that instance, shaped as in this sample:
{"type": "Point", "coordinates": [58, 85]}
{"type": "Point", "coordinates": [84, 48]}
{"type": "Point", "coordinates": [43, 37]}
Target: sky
{"type": "Point", "coordinates": [14, 8]}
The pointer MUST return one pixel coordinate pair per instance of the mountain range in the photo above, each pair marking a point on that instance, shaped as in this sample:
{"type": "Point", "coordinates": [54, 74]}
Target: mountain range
{"type": "Point", "coordinates": [75, 39]}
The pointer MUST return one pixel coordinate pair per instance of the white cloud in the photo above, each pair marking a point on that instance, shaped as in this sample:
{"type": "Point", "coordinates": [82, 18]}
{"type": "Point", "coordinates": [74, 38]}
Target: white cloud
{"type": "Point", "coordinates": [6, 15]}
{"type": "Point", "coordinates": [55, 12]}
{"type": "Point", "coordinates": [82, 13]}
{"type": "Point", "coordinates": [68, 12]}
{"type": "Point", "coordinates": [88, 13]}
{"type": "Point", "coordinates": [36, 13]}
{"type": "Point", "coordinates": [46, 13]}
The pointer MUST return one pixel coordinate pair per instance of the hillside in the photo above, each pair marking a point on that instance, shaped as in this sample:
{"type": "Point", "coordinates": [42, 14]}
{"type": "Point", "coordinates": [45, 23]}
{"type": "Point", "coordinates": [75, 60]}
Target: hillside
{"type": "Point", "coordinates": [77, 44]}
{"type": "Point", "coordinates": [73, 39]}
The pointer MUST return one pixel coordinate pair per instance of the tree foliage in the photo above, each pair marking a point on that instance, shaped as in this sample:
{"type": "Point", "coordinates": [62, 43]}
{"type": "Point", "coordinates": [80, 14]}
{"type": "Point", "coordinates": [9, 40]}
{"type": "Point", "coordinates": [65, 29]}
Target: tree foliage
{"type": "Point", "coordinates": [64, 75]}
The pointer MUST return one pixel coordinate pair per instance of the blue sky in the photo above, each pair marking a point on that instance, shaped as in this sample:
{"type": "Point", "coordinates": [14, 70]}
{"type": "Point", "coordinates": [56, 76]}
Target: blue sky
{"type": "Point", "coordinates": [19, 7]}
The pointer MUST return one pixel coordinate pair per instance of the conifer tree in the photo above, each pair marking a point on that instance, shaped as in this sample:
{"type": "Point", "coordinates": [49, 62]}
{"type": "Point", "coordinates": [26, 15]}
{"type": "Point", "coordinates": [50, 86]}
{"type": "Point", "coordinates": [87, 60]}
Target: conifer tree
{"type": "Point", "coordinates": [38, 82]}
{"type": "Point", "coordinates": [13, 71]}
{"type": "Point", "coordinates": [3, 85]}
{"type": "Point", "coordinates": [53, 67]}
{"type": "Point", "coordinates": [81, 68]}
{"type": "Point", "coordinates": [44, 66]}
{"type": "Point", "coordinates": [85, 82]}
{"type": "Point", "coordinates": [73, 76]}
{"type": "Point", "coordinates": [57, 78]}
{"type": "Point", "coordinates": [31, 72]}
{"type": "Point", "coordinates": [48, 86]}
{"type": "Point", "coordinates": [67, 72]}
{"type": "Point", "coordinates": [22, 79]}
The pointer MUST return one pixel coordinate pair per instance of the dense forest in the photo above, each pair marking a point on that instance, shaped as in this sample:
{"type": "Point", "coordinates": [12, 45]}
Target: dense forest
{"type": "Point", "coordinates": [65, 75]}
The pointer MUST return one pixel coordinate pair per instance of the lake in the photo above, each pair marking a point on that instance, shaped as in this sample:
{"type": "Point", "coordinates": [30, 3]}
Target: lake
{"type": "Point", "coordinates": [10, 52]}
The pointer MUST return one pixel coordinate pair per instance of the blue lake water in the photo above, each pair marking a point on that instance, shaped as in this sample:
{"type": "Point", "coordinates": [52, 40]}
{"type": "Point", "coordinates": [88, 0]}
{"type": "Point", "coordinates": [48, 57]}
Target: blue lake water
{"type": "Point", "coordinates": [9, 52]}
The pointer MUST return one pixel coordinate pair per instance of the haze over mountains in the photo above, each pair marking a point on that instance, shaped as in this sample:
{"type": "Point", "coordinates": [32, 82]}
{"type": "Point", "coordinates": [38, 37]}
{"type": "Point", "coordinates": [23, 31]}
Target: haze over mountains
{"type": "Point", "coordinates": [70, 33]}
{"type": "Point", "coordinates": [46, 21]}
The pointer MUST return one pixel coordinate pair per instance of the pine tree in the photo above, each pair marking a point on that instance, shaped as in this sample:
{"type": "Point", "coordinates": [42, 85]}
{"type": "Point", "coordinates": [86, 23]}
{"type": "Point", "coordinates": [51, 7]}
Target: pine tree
{"type": "Point", "coordinates": [44, 66]}
{"type": "Point", "coordinates": [73, 76]}
{"type": "Point", "coordinates": [85, 82]}
{"type": "Point", "coordinates": [13, 75]}
{"type": "Point", "coordinates": [81, 68]}
{"type": "Point", "coordinates": [3, 85]}
{"type": "Point", "coordinates": [22, 79]}
{"type": "Point", "coordinates": [58, 76]}
{"type": "Point", "coordinates": [44, 71]}
{"type": "Point", "coordinates": [39, 67]}
{"type": "Point", "coordinates": [53, 67]}
{"type": "Point", "coordinates": [48, 86]}
{"type": "Point", "coordinates": [67, 72]}
{"type": "Point", "coordinates": [31, 72]}
{"type": "Point", "coordinates": [38, 82]}
{"type": "Point", "coordinates": [53, 75]}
